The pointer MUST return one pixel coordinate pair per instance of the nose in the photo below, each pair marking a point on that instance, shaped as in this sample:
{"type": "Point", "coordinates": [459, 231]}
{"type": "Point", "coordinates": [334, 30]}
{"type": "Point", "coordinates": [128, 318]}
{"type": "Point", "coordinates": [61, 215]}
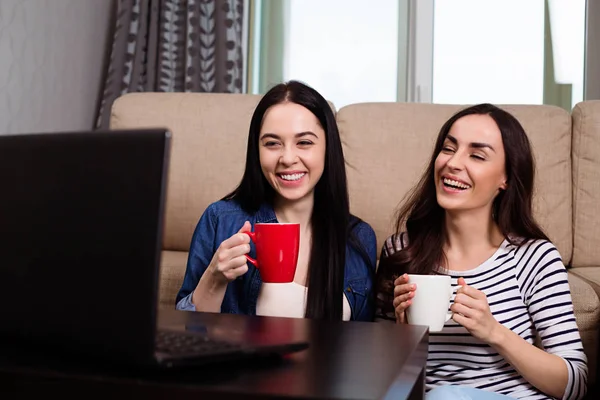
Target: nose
{"type": "Point", "coordinates": [456, 161]}
{"type": "Point", "coordinates": [288, 156]}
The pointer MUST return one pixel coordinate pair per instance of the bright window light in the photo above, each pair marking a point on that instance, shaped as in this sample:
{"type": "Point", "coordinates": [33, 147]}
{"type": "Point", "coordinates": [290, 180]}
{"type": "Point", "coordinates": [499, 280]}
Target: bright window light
{"type": "Point", "coordinates": [488, 51]}
{"type": "Point", "coordinates": [346, 49]}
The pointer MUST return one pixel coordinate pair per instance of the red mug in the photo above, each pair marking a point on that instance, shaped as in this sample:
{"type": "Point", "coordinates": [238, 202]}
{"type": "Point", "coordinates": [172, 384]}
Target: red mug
{"type": "Point", "coordinates": [277, 247]}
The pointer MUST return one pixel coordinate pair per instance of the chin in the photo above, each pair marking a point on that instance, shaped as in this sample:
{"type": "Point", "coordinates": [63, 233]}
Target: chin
{"type": "Point", "coordinates": [449, 205]}
{"type": "Point", "coordinates": [291, 196]}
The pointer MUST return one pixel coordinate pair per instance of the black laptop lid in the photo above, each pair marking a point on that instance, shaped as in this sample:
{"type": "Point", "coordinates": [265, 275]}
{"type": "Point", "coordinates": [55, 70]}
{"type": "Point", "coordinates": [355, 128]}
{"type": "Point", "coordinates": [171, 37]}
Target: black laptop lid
{"type": "Point", "coordinates": [80, 234]}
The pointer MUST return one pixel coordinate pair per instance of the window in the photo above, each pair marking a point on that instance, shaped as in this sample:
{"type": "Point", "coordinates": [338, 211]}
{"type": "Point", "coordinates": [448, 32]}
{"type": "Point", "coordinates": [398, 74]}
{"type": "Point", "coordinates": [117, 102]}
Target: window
{"type": "Point", "coordinates": [346, 49]}
{"type": "Point", "coordinates": [441, 51]}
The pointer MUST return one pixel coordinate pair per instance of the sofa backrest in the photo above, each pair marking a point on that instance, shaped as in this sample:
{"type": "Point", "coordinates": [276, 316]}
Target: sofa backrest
{"type": "Point", "coordinates": [208, 151]}
{"type": "Point", "coordinates": [586, 183]}
{"type": "Point", "coordinates": [388, 145]}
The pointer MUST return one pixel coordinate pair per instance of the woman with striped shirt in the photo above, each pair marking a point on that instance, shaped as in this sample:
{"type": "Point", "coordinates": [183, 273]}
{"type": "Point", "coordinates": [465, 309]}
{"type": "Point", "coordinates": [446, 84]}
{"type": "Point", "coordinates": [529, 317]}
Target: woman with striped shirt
{"type": "Point", "coordinates": [470, 217]}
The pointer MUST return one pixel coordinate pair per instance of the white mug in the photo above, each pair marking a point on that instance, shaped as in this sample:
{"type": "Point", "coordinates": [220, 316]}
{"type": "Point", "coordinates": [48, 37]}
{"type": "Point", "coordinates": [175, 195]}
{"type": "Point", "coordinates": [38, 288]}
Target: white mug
{"type": "Point", "coordinates": [431, 301]}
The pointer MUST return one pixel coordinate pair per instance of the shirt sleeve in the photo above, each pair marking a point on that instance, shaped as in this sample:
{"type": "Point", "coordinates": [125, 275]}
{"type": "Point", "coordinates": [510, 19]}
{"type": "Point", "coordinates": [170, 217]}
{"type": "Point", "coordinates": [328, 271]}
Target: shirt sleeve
{"type": "Point", "coordinates": [547, 295]}
{"type": "Point", "coordinates": [186, 304]}
{"type": "Point", "coordinates": [201, 253]}
{"type": "Point", "coordinates": [362, 252]}
{"type": "Point", "coordinates": [368, 238]}
{"type": "Point", "coordinates": [384, 283]}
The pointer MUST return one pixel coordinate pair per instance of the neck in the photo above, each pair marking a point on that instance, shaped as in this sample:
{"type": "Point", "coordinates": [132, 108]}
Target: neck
{"type": "Point", "coordinates": [299, 211]}
{"type": "Point", "coordinates": [468, 232]}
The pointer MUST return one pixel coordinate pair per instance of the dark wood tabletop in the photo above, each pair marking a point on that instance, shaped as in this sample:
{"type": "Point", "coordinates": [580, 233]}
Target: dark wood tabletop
{"type": "Point", "coordinates": [344, 360]}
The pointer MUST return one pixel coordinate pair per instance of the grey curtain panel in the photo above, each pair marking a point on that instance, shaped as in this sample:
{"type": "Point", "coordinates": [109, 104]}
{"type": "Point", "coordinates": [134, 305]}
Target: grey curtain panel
{"type": "Point", "coordinates": [174, 46]}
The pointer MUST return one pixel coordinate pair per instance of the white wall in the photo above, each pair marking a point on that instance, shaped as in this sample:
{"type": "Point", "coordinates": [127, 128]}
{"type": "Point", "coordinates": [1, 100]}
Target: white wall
{"type": "Point", "coordinates": [52, 54]}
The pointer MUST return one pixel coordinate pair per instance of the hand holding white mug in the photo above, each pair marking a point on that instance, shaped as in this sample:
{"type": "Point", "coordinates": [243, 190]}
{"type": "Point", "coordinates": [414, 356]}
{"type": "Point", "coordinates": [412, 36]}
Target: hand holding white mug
{"type": "Point", "coordinates": [403, 293]}
{"type": "Point", "coordinates": [229, 261]}
{"type": "Point", "coordinates": [471, 310]}
{"type": "Point", "coordinates": [430, 304]}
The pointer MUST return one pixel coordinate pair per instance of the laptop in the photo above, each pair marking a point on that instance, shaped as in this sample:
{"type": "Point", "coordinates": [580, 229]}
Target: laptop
{"type": "Point", "coordinates": [81, 223]}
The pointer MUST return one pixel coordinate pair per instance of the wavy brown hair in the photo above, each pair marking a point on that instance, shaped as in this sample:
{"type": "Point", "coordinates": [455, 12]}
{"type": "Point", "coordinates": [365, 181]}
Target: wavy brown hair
{"type": "Point", "coordinates": [422, 218]}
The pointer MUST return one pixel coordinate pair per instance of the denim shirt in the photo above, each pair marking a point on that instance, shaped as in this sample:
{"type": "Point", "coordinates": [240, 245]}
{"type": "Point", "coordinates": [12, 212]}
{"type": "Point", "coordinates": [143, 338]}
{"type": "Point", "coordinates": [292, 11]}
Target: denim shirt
{"type": "Point", "coordinates": [224, 218]}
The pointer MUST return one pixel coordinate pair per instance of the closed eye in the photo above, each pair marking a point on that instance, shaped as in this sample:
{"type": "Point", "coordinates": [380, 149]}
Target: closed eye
{"type": "Point", "coordinates": [271, 143]}
{"type": "Point", "coordinates": [478, 157]}
{"type": "Point", "coordinates": [447, 149]}
{"type": "Point", "coordinates": [305, 143]}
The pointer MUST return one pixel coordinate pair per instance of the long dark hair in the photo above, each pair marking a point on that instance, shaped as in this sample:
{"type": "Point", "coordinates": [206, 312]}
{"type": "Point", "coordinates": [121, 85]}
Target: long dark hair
{"type": "Point", "coordinates": [422, 218]}
{"type": "Point", "coordinates": [330, 220]}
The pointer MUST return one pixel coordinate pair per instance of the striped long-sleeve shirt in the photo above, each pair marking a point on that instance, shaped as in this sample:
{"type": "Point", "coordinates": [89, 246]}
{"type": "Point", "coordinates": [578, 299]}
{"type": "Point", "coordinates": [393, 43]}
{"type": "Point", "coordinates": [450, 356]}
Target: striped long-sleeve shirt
{"type": "Point", "coordinates": [528, 292]}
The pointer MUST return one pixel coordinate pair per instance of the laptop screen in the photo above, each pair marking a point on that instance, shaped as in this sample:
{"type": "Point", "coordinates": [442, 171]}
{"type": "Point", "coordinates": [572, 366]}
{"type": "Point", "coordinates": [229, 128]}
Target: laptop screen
{"type": "Point", "coordinates": [81, 230]}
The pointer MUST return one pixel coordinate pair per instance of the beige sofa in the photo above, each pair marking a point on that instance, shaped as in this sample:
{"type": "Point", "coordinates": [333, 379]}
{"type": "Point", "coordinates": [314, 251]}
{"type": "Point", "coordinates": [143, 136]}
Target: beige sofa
{"type": "Point", "coordinates": [386, 146]}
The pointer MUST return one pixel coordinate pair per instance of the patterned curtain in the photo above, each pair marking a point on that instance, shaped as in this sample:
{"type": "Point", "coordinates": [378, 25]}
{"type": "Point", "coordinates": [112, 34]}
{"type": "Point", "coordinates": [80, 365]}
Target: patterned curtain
{"type": "Point", "coordinates": [174, 46]}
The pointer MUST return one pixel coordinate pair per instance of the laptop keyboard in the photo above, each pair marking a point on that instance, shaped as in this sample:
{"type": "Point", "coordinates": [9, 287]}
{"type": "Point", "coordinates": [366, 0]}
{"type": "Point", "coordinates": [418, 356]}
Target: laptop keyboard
{"type": "Point", "coordinates": [181, 343]}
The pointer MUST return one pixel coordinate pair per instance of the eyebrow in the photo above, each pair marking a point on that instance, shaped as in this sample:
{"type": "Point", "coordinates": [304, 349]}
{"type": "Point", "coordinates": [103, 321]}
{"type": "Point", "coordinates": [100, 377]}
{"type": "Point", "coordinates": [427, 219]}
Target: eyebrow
{"type": "Point", "coordinates": [475, 145]}
{"type": "Point", "coordinates": [297, 135]}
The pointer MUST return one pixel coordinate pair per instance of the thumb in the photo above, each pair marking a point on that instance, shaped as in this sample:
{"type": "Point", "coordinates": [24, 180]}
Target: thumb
{"type": "Point", "coordinates": [246, 227]}
{"type": "Point", "coordinates": [461, 281]}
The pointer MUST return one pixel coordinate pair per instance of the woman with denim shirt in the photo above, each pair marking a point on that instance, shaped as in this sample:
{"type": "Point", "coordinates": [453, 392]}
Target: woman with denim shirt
{"type": "Point", "coordinates": [295, 173]}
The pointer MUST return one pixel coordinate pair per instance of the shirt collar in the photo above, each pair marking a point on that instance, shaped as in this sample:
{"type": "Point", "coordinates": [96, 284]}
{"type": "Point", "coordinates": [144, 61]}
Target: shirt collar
{"type": "Point", "coordinates": [266, 214]}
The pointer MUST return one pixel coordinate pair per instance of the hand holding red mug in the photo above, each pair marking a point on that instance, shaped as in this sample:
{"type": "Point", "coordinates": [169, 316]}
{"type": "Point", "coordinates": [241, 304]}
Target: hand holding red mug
{"type": "Point", "coordinates": [229, 261]}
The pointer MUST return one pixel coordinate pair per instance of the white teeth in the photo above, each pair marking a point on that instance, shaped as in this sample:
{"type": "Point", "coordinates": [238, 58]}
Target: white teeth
{"type": "Point", "coordinates": [292, 177]}
{"type": "Point", "coordinates": [457, 184]}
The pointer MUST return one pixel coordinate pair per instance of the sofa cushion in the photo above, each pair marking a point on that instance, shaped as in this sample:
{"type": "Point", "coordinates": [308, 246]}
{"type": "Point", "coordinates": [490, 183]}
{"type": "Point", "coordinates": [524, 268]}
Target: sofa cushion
{"type": "Point", "coordinates": [586, 183]}
{"type": "Point", "coordinates": [172, 270]}
{"type": "Point", "coordinates": [589, 274]}
{"type": "Point", "coordinates": [208, 154]}
{"type": "Point", "coordinates": [388, 145]}
{"type": "Point", "coordinates": [587, 312]}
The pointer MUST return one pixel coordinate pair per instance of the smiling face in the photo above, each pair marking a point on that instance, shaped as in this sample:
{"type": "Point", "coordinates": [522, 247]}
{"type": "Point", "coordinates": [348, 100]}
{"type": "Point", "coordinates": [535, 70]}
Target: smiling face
{"type": "Point", "coordinates": [292, 151]}
{"type": "Point", "coordinates": [470, 169]}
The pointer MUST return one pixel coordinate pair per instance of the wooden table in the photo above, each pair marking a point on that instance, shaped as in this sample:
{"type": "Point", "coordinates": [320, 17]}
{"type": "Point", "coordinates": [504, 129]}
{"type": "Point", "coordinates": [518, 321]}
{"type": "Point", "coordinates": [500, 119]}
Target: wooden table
{"type": "Point", "coordinates": [345, 360]}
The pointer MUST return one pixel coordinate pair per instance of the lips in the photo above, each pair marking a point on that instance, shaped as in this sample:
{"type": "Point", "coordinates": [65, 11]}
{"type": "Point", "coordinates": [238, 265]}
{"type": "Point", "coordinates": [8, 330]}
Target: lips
{"type": "Point", "coordinates": [455, 183]}
{"type": "Point", "coordinates": [291, 177]}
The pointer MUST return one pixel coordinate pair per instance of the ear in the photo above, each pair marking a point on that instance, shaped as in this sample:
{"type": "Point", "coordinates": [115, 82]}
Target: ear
{"type": "Point", "coordinates": [503, 185]}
